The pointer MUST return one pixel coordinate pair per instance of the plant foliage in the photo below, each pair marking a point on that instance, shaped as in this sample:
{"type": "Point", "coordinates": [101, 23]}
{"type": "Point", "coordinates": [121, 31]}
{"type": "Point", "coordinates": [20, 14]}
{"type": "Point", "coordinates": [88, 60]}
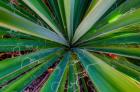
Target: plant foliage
{"type": "Point", "coordinates": [73, 42]}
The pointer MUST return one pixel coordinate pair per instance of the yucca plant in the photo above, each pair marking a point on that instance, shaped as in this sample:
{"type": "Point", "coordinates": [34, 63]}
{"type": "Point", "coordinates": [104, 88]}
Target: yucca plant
{"type": "Point", "coordinates": [70, 45]}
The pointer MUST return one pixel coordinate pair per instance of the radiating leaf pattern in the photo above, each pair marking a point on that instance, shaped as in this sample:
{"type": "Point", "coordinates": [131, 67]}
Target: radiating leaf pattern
{"type": "Point", "coordinates": [69, 45]}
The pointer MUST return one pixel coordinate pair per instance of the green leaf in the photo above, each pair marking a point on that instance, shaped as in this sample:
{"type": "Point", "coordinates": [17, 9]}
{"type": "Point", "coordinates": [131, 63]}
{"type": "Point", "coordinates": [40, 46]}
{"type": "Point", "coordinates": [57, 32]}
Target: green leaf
{"type": "Point", "coordinates": [92, 5]}
{"type": "Point", "coordinates": [126, 6]}
{"type": "Point", "coordinates": [73, 81]}
{"type": "Point", "coordinates": [55, 8]}
{"type": "Point", "coordinates": [39, 7]}
{"type": "Point", "coordinates": [122, 65]}
{"type": "Point", "coordinates": [17, 10]}
{"type": "Point", "coordinates": [9, 65]}
{"type": "Point", "coordinates": [12, 45]}
{"type": "Point", "coordinates": [124, 39]}
{"type": "Point", "coordinates": [23, 81]}
{"type": "Point", "coordinates": [69, 13]}
{"type": "Point", "coordinates": [12, 21]}
{"type": "Point", "coordinates": [28, 67]}
{"type": "Point", "coordinates": [16, 73]}
{"type": "Point", "coordinates": [84, 85]}
{"type": "Point", "coordinates": [8, 32]}
{"type": "Point", "coordinates": [54, 81]}
{"type": "Point", "coordinates": [92, 17]}
{"type": "Point", "coordinates": [80, 8]}
{"type": "Point", "coordinates": [126, 20]}
{"type": "Point", "coordinates": [104, 77]}
{"type": "Point", "coordinates": [122, 51]}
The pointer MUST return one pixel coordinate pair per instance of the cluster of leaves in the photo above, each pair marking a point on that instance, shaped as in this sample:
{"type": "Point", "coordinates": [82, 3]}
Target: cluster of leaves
{"type": "Point", "coordinates": [94, 40]}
